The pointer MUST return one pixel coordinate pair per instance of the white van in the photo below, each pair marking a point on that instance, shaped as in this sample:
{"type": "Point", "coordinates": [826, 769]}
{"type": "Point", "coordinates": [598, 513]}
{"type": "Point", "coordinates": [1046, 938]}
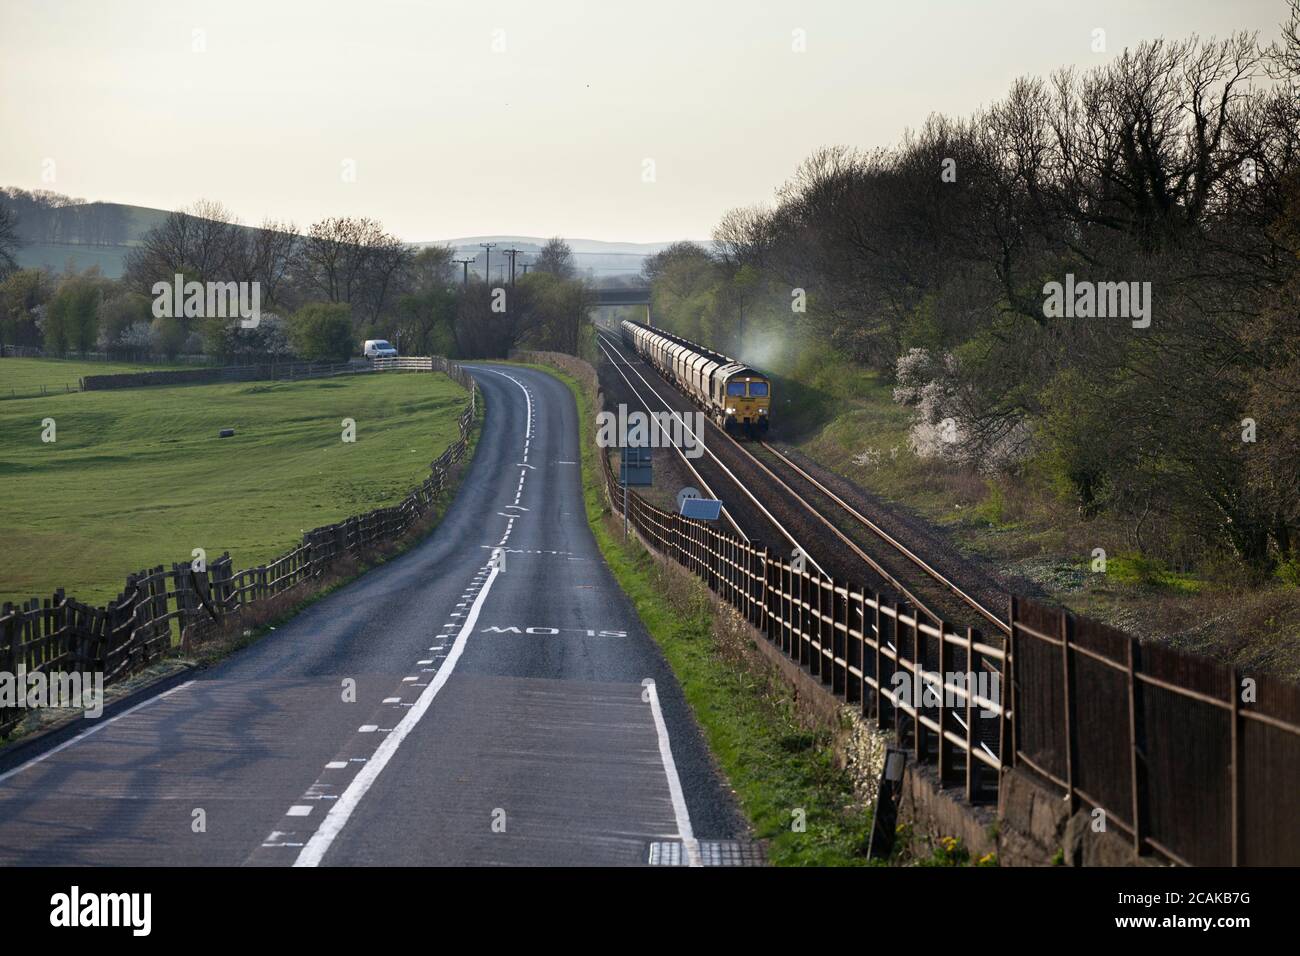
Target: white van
{"type": "Point", "coordinates": [378, 348]}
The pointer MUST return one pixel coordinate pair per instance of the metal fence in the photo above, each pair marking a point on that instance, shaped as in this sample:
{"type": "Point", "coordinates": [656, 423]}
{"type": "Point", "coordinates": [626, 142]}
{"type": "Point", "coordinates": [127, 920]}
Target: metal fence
{"type": "Point", "coordinates": [163, 611]}
{"type": "Point", "coordinates": [936, 686]}
{"type": "Point", "coordinates": [1185, 756]}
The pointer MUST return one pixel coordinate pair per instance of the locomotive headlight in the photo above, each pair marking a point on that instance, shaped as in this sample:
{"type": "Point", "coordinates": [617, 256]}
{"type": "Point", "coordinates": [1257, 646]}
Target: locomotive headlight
{"type": "Point", "coordinates": [731, 411]}
{"type": "Point", "coordinates": [762, 411]}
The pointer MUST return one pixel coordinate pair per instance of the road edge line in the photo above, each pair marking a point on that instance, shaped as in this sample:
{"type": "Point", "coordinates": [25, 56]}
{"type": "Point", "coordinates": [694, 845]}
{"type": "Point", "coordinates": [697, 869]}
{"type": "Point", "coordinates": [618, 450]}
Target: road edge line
{"type": "Point", "coordinates": [683, 816]}
{"type": "Point", "coordinates": [350, 799]}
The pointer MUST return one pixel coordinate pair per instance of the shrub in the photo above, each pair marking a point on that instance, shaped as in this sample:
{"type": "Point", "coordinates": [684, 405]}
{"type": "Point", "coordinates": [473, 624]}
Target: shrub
{"type": "Point", "coordinates": [322, 331]}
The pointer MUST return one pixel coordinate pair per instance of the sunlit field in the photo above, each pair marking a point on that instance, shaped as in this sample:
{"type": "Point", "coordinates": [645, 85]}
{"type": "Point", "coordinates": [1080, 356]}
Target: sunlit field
{"type": "Point", "coordinates": [139, 477]}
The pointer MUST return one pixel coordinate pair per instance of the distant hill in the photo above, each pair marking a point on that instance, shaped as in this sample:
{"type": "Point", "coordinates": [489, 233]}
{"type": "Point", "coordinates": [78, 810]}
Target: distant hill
{"type": "Point", "coordinates": [597, 258]}
{"type": "Point", "coordinates": [81, 255]}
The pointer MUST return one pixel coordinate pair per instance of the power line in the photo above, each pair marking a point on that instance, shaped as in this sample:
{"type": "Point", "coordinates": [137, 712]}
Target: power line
{"type": "Point", "coordinates": [512, 252]}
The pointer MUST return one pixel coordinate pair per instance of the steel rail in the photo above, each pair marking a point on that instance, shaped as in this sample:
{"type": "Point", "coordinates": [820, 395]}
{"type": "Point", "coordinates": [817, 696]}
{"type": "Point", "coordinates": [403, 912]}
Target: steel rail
{"type": "Point", "coordinates": [682, 454]}
{"type": "Point", "coordinates": [916, 559]}
{"type": "Point", "coordinates": [879, 532]}
{"type": "Point", "coordinates": [730, 474]}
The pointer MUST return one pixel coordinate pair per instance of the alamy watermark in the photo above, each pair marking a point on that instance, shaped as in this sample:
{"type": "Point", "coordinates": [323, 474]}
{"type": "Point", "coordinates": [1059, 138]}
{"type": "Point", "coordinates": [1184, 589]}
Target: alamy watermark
{"type": "Point", "coordinates": [208, 300]}
{"type": "Point", "coordinates": [1098, 300]}
{"type": "Point", "coordinates": [133, 910]}
{"type": "Point", "coordinates": [624, 429]}
{"type": "Point", "coordinates": [38, 690]}
{"type": "Point", "coordinates": [912, 690]}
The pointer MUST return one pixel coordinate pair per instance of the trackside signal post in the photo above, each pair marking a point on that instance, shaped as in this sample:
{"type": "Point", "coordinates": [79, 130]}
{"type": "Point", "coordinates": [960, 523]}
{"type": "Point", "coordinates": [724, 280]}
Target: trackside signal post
{"type": "Point", "coordinates": [634, 468]}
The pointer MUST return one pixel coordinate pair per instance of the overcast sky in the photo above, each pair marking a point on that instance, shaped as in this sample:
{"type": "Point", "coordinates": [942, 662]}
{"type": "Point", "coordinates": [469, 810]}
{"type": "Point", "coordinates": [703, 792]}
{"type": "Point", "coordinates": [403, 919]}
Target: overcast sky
{"type": "Point", "coordinates": [263, 104]}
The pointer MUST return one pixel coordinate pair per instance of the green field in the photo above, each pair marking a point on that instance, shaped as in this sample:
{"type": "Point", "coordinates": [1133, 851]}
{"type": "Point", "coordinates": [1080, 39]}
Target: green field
{"type": "Point", "coordinates": [77, 257]}
{"type": "Point", "coordinates": [138, 477]}
{"type": "Point", "coordinates": [26, 375]}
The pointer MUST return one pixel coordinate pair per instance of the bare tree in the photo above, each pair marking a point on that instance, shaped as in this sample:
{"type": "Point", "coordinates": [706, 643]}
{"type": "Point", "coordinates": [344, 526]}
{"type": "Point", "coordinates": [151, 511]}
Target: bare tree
{"type": "Point", "coordinates": [9, 241]}
{"type": "Point", "coordinates": [203, 242]}
{"type": "Point", "coordinates": [555, 258]}
{"type": "Point", "coordinates": [431, 269]}
{"type": "Point", "coordinates": [354, 260]}
{"type": "Point", "coordinates": [270, 251]}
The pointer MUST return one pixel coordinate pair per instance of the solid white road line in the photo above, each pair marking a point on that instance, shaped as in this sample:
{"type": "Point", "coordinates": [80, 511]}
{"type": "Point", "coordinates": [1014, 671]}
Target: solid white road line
{"type": "Point", "coordinates": [674, 782]}
{"type": "Point", "coordinates": [342, 808]}
{"type": "Point", "coordinates": [93, 730]}
{"type": "Point", "coordinates": [528, 430]}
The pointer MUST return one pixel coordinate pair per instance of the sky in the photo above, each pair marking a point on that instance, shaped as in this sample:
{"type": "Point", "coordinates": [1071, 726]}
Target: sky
{"type": "Point", "coordinates": [635, 121]}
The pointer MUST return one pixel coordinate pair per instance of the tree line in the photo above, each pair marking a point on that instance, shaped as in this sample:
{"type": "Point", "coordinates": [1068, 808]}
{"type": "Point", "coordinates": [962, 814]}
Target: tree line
{"type": "Point", "coordinates": [1167, 179]}
{"type": "Point", "coordinates": [322, 292]}
{"type": "Point", "coordinates": [48, 217]}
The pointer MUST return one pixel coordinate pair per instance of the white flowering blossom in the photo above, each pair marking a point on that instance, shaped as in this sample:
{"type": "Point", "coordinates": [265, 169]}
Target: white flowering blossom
{"type": "Point", "coordinates": [943, 428]}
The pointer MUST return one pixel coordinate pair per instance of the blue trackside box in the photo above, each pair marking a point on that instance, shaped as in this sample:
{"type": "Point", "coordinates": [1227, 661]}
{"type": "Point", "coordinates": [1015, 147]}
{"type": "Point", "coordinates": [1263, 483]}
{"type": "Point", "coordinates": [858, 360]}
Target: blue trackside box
{"type": "Point", "coordinates": [634, 466]}
{"type": "Point", "coordinates": [702, 509]}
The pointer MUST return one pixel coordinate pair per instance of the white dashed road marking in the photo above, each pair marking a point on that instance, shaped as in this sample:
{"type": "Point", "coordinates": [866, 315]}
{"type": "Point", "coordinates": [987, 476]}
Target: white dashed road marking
{"type": "Point", "coordinates": [342, 809]}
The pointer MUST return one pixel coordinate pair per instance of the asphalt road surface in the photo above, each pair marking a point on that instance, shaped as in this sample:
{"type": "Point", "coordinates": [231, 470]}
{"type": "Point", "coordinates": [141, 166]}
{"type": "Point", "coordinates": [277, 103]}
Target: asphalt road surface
{"type": "Point", "coordinates": [499, 714]}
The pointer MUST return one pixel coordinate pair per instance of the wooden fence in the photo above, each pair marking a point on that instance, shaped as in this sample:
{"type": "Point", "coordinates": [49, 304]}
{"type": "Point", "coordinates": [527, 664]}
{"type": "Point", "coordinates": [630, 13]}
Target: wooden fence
{"type": "Point", "coordinates": [269, 371]}
{"type": "Point", "coordinates": [163, 610]}
{"type": "Point", "coordinates": [1183, 755]}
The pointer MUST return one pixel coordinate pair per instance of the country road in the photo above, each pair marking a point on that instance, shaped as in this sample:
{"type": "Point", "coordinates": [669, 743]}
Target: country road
{"type": "Point", "coordinates": [500, 715]}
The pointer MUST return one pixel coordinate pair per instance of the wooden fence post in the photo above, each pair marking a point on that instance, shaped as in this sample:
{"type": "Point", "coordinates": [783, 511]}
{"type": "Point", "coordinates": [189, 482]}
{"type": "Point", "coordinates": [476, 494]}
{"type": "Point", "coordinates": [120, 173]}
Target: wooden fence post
{"type": "Point", "coordinates": [1135, 761]}
{"type": "Point", "coordinates": [918, 689]}
{"type": "Point", "coordinates": [888, 705]}
{"type": "Point", "coordinates": [972, 682]}
{"type": "Point", "coordinates": [796, 615]}
{"type": "Point", "coordinates": [944, 756]}
{"type": "Point", "coordinates": [877, 701]}
{"type": "Point", "coordinates": [1010, 740]}
{"type": "Point", "coordinates": [13, 634]}
{"type": "Point", "coordinates": [1066, 626]}
{"type": "Point", "coordinates": [1238, 778]}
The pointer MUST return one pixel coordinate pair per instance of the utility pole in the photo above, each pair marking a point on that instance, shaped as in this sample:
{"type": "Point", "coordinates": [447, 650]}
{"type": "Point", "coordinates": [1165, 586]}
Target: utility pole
{"type": "Point", "coordinates": [487, 265]}
{"type": "Point", "coordinates": [512, 252]}
{"type": "Point", "coordinates": [524, 266]}
{"type": "Point", "coordinates": [465, 263]}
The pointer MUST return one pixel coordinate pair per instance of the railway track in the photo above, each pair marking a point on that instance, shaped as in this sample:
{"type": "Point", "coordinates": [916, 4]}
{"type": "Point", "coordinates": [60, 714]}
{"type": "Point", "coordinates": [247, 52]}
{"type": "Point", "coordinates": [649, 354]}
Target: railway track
{"type": "Point", "coordinates": [898, 567]}
{"type": "Point", "coordinates": [612, 352]}
{"type": "Point", "coordinates": [920, 568]}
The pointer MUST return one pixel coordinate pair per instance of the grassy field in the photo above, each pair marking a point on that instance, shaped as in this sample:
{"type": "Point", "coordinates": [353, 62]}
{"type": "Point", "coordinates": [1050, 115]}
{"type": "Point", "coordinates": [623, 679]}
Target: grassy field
{"type": "Point", "coordinates": [26, 375]}
{"type": "Point", "coordinates": [59, 256]}
{"type": "Point", "coordinates": [139, 477]}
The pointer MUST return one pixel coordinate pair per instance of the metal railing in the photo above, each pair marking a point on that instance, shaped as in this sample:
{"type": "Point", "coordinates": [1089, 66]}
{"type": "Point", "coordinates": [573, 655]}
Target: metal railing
{"type": "Point", "coordinates": [1186, 757]}
{"type": "Point", "coordinates": [936, 686]}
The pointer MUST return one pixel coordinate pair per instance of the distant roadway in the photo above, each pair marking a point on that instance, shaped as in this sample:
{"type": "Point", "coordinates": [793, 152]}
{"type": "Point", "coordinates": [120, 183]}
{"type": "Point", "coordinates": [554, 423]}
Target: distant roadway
{"type": "Point", "coordinates": [501, 713]}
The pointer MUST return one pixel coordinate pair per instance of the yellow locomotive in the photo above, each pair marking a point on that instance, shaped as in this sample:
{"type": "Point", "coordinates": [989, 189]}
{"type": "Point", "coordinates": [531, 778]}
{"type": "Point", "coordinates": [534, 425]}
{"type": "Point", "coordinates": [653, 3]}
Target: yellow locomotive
{"type": "Point", "coordinates": [737, 397]}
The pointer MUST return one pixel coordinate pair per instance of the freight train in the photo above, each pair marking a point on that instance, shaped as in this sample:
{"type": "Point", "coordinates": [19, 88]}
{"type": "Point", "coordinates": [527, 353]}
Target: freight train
{"type": "Point", "coordinates": [737, 397]}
